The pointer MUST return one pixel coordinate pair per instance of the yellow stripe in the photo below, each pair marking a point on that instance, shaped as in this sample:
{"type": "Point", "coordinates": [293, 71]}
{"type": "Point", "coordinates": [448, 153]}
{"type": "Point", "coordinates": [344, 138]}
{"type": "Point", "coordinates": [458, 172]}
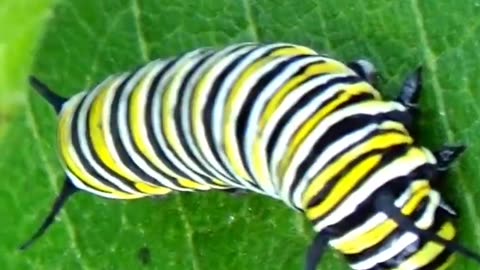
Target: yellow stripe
{"type": "Point", "coordinates": [149, 189]}
{"type": "Point", "coordinates": [231, 148]}
{"type": "Point", "coordinates": [98, 132]}
{"type": "Point", "coordinates": [293, 51]}
{"type": "Point", "coordinates": [380, 232]}
{"type": "Point", "coordinates": [168, 122]}
{"type": "Point", "coordinates": [448, 263]}
{"type": "Point", "coordinates": [314, 121]}
{"type": "Point", "coordinates": [389, 124]}
{"type": "Point", "coordinates": [137, 114]}
{"type": "Point", "coordinates": [431, 250]}
{"type": "Point", "coordinates": [196, 112]}
{"type": "Point", "coordinates": [98, 135]}
{"type": "Point", "coordinates": [260, 163]}
{"type": "Point", "coordinates": [194, 185]}
{"type": "Point", "coordinates": [66, 145]}
{"type": "Point", "coordinates": [312, 70]}
{"type": "Point", "coordinates": [345, 185]}
{"type": "Point", "coordinates": [378, 142]}
{"type": "Point", "coordinates": [67, 152]}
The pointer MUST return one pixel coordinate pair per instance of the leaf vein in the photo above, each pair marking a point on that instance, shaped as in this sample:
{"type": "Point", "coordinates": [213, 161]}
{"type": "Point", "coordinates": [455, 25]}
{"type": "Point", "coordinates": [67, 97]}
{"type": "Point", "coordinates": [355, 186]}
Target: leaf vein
{"type": "Point", "coordinates": [188, 231]}
{"type": "Point", "coordinates": [252, 25]}
{"type": "Point", "coordinates": [51, 179]}
{"type": "Point", "coordinates": [440, 100]}
{"type": "Point", "coordinates": [140, 34]}
{"type": "Point", "coordinates": [98, 49]}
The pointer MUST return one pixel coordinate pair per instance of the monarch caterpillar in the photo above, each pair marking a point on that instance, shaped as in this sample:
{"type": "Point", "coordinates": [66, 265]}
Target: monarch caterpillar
{"type": "Point", "coordinates": [277, 119]}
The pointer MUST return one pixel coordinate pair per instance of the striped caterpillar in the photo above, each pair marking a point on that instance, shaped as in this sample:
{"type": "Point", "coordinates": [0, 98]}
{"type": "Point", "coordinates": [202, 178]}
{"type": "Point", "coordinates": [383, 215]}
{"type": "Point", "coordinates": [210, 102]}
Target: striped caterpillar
{"type": "Point", "coordinates": [275, 119]}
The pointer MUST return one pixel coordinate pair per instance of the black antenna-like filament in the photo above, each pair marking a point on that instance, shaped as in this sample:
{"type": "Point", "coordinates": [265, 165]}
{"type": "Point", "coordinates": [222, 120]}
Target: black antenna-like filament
{"type": "Point", "coordinates": [68, 190]}
{"type": "Point", "coordinates": [55, 100]}
{"type": "Point", "coordinates": [384, 203]}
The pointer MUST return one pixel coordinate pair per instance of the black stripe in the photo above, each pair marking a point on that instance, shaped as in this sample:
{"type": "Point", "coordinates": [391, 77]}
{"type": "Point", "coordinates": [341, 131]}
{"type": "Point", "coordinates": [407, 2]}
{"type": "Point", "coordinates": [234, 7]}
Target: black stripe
{"type": "Point", "coordinates": [178, 117]}
{"type": "Point", "coordinates": [208, 116]}
{"type": "Point", "coordinates": [81, 157]}
{"type": "Point", "coordinates": [342, 127]}
{"type": "Point", "coordinates": [334, 133]}
{"type": "Point", "coordinates": [388, 154]}
{"type": "Point", "coordinates": [206, 109]}
{"type": "Point", "coordinates": [149, 120]}
{"type": "Point", "coordinates": [83, 160]}
{"type": "Point", "coordinates": [390, 239]}
{"type": "Point", "coordinates": [337, 131]}
{"type": "Point", "coordinates": [366, 209]}
{"type": "Point", "coordinates": [244, 114]}
{"type": "Point", "coordinates": [439, 220]}
{"type": "Point", "coordinates": [149, 163]}
{"type": "Point", "coordinates": [125, 158]}
{"type": "Point", "coordinates": [199, 173]}
{"type": "Point", "coordinates": [438, 261]}
{"type": "Point", "coordinates": [302, 102]}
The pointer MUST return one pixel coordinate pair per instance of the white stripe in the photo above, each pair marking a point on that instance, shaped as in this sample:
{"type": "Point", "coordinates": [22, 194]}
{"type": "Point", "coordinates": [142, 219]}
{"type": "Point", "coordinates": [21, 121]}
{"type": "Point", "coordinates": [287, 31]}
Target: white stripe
{"type": "Point", "coordinates": [399, 167]}
{"type": "Point", "coordinates": [254, 117]}
{"type": "Point", "coordinates": [143, 95]}
{"type": "Point", "coordinates": [208, 74]}
{"type": "Point", "coordinates": [73, 102]}
{"type": "Point", "coordinates": [334, 149]}
{"type": "Point", "coordinates": [144, 92]}
{"type": "Point", "coordinates": [371, 223]}
{"type": "Point", "coordinates": [424, 222]}
{"type": "Point", "coordinates": [173, 86]}
{"type": "Point", "coordinates": [369, 107]}
{"type": "Point", "coordinates": [123, 123]}
{"type": "Point", "coordinates": [287, 103]}
{"type": "Point", "coordinates": [240, 101]}
{"type": "Point", "coordinates": [428, 217]}
{"type": "Point", "coordinates": [82, 131]}
{"type": "Point", "coordinates": [81, 185]}
{"type": "Point", "coordinates": [402, 242]}
{"type": "Point", "coordinates": [289, 131]}
{"type": "Point", "coordinates": [193, 173]}
{"type": "Point", "coordinates": [219, 106]}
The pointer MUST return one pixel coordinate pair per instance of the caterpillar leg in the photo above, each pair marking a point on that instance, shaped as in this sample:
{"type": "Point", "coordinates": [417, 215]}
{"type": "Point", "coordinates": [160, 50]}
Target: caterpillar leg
{"type": "Point", "coordinates": [365, 69]}
{"type": "Point", "coordinates": [447, 207]}
{"type": "Point", "coordinates": [316, 250]}
{"type": "Point", "coordinates": [236, 191]}
{"type": "Point", "coordinates": [408, 97]}
{"type": "Point", "coordinates": [447, 155]}
{"type": "Point", "coordinates": [410, 92]}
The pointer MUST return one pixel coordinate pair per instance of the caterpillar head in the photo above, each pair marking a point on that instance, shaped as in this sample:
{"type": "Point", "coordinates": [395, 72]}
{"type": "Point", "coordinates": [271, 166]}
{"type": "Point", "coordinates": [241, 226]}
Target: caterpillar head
{"type": "Point", "coordinates": [433, 206]}
{"type": "Point", "coordinates": [426, 205]}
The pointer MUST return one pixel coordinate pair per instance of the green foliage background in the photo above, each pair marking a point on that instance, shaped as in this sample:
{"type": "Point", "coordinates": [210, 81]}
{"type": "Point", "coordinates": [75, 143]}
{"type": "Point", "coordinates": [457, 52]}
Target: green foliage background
{"type": "Point", "coordinates": [75, 43]}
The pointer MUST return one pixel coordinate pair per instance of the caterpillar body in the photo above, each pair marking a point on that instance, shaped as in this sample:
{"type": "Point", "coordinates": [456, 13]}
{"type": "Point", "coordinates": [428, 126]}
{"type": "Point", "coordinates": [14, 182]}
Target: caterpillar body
{"type": "Point", "coordinates": [276, 119]}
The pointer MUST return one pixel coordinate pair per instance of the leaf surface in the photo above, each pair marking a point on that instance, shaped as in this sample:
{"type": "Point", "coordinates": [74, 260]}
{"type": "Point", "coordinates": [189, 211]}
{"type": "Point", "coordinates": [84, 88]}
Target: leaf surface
{"type": "Point", "coordinates": [87, 40]}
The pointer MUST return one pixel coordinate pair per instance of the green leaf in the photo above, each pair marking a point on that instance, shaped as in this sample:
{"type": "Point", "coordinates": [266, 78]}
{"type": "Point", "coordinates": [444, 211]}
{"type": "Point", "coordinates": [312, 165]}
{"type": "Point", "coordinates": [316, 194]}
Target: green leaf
{"type": "Point", "coordinates": [87, 40]}
{"type": "Point", "coordinates": [17, 42]}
